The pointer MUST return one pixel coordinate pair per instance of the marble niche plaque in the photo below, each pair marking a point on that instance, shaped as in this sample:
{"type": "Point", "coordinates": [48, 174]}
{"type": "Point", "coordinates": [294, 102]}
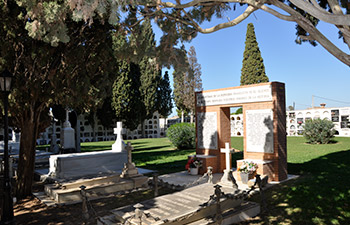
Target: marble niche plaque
{"type": "Point", "coordinates": [207, 134]}
{"type": "Point", "coordinates": [259, 127]}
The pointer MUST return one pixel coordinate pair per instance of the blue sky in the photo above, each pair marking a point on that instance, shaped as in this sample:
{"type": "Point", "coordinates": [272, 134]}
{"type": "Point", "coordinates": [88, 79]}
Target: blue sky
{"type": "Point", "coordinates": [306, 70]}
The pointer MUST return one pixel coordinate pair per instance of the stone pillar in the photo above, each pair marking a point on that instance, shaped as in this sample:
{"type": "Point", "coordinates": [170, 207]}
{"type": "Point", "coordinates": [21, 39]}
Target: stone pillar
{"type": "Point", "coordinates": [67, 134]}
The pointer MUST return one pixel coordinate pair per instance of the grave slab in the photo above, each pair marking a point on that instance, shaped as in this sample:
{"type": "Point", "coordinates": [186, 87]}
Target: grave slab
{"type": "Point", "coordinates": [69, 166]}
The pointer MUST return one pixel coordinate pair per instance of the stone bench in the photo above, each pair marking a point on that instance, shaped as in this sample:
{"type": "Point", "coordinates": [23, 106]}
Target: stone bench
{"type": "Point", "coordinates": [68, 166]}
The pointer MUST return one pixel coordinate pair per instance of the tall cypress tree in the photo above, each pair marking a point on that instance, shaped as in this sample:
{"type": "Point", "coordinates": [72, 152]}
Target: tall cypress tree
{"type": "Point", "coordinates": [253, 69]}
{"type": "Point", "coordinates": [164, 103]}
{"type": "Point", "coordinates": [126, 99]}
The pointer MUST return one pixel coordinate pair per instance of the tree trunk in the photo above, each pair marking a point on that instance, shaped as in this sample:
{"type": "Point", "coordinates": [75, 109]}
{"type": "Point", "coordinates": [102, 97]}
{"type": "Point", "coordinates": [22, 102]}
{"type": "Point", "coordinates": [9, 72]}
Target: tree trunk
{"type": "Point", "coordinates": [26, 161]}
{"type": "Point", "coordinates": [191, 115]}
{"type": "Point", "coordinates": [182, 116]}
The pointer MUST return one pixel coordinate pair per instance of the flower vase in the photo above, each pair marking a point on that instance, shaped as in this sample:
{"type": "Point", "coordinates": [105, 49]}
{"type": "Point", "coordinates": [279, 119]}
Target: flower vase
{"type": "Point", "coordinates": [194, 171]}
{"type": "Point", "coordinates": [244, 177]}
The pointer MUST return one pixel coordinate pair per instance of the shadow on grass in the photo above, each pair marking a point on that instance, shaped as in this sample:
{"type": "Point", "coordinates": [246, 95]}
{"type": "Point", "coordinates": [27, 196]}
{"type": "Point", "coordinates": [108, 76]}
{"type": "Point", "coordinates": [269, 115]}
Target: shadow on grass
{"type": "Point", "coordinates": [93, 148]}
{"type": "Point", "coordinates": [320, 196]}
{"type": "Point", "coordinates": [138, 149]}
{"type": "Point", "coordinates": [330, 142]}
{"type": "Point", "coordinates": [166, 167]}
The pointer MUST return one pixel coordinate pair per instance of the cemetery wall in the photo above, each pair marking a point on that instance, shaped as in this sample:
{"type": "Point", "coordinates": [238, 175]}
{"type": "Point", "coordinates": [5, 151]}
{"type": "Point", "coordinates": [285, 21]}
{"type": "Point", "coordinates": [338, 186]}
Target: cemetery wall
{"type": "Point", "coordinates": [154, 128]}
{"type": "Point", "coordinates": [295, 119]}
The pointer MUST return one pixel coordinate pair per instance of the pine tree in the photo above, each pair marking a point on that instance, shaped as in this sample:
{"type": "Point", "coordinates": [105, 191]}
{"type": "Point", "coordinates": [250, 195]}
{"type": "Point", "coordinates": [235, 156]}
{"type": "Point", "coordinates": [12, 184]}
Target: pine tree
{"type": "Point", "coordinates": [253, 69]}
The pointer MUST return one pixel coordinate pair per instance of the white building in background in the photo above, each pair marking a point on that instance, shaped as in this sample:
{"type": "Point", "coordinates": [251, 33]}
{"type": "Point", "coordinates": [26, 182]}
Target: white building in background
{"type": "Point", "coordinates": [153, 128]}
{"type": "Point", "coordinates": [236, 125]}
{"type": "Point", "coordinates": [340, 116]}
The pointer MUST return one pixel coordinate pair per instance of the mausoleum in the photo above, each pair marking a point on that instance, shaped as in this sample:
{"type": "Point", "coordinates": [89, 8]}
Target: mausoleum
{"type": "Point", "coordinates": [264, 127]}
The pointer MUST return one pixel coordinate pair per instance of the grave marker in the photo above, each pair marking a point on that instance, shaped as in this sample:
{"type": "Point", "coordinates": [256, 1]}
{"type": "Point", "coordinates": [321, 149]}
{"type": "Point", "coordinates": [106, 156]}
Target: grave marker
{"type": "Point", "coordinates": [118, 146]}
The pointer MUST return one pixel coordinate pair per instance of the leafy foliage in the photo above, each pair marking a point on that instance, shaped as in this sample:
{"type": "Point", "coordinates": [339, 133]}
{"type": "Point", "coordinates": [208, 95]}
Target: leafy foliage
{"type": "Point", "coordinates": [253, 69]}
{"type": "Point", "coordinates": [70, 75]}
{"type": "Point", "coordinates": [319, 131]}
{"type": "Point", "coordinates": [182, 135]}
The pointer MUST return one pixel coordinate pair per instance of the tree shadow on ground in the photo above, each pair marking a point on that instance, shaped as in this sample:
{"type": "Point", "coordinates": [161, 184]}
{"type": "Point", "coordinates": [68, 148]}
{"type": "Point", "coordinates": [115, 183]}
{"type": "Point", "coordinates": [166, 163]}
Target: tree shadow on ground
{"type": "Point", "coordinates": [32, 211]}
{"type": "Point", "coordinates": [138, 149]}
{"type": "Point", "coordinates": [319, 196]}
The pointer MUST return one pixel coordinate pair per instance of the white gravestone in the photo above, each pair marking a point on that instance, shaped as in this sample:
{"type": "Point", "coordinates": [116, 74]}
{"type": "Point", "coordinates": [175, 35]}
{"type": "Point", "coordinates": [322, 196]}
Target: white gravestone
{"type": "Point", "coordinates": [67, 134]}
{"type": "Point", "coordinates": [227, 150]}
{"type": "Point", "coordinates": [119, 146]}
{"type": "Point", "coordinates": [259, 127]}
{"type": "Point", "coordinates": [207, 130]}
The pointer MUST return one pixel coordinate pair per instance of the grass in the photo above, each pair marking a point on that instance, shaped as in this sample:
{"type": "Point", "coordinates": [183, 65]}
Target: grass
{"type": "Point", "coordinates": [153, 153]}
{"type": "Point", "coordinates": [321, 195]}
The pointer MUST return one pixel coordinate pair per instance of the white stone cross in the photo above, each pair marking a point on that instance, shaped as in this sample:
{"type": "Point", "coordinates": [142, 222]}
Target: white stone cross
{"type": "Point", "coordinates": [118, 145]}
{"type": "Point", "coordinates": [227, 152]}
{"type": "Point", "coordinates": [118, 131]}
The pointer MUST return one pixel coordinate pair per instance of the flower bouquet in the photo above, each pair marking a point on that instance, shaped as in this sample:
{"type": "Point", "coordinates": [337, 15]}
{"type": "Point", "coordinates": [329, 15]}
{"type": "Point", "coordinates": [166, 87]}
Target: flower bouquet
{"type": "Point", "coordinates": [247, 169]}
{"type": "Point", "coordinates": [193, 164]}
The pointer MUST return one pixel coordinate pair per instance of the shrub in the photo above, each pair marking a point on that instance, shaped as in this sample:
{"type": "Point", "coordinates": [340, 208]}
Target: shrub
{"type": "Point", "coordinates": [182, 135]}
{"type": "Point", "coordinates": [319, 131]}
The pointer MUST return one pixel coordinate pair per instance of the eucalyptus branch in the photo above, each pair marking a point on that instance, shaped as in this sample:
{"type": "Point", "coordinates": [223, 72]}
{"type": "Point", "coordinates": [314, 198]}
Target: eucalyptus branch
{"type": "Point", "coordinates": [249, 10]}
{"type": "Point", "coordinates": [314, 32]}
{"type": "Point", "coordinates": [322, 14]}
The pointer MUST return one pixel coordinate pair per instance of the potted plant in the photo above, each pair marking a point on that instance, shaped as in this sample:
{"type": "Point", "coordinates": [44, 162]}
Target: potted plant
{"type": "Point", "coordinates": [193, 164]}
{"type": "Point", "coordinates": [247, 170]}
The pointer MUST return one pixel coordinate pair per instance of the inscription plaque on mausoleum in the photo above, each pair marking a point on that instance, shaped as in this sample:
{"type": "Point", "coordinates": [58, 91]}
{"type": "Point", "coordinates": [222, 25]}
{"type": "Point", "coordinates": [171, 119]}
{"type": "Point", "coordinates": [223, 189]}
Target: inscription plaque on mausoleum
{"type": "Point", "coordinates": [259, 127]}
{"type": "Point", "coordinates": [233, 96]}
{"type": "Point", "coordinates": [207, 130]}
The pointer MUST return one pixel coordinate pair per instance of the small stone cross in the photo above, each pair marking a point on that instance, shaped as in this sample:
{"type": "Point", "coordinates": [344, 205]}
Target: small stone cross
{"type": "Point", "coordinates": [227, 152]}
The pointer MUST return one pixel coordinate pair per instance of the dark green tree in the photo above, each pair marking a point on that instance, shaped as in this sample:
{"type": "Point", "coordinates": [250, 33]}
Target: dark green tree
{"type": "Point", "coordinates": [164, 97]}
{"type": "Point", "coordinates": [106, 114]}
{"type": "Point", "coordinates": [70, 74]}
{"type": "Point", "coordinates": [126, 97]}
{"type": "Point", "coordinates": [179, 91]}
{"type": "Point", "coordinates": [146, 78]}
{"type": "Point", "coordinates": [253, 69]}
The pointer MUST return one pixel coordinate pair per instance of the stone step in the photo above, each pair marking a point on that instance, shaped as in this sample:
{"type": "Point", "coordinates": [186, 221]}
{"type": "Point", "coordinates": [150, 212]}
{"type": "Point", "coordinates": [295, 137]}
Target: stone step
{"type": "Point", "coordinates": [90, 182]}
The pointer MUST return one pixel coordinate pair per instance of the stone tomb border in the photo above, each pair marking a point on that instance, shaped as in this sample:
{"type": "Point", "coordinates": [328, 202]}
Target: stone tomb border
{"type": "Point", "coordinates": [264, 127]}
